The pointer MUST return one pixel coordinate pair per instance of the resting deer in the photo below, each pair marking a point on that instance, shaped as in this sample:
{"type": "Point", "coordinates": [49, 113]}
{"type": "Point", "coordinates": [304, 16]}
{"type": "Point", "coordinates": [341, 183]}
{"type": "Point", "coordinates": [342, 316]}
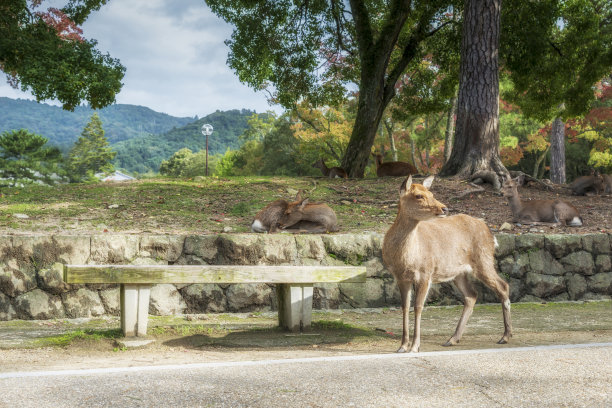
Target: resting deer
{"type": "Point", "coordinates": [424, 247]}
{"type": "Point", "coordinates": [539, 211]}
{"type": "Point", "coordinates": [331, 172]}
{"type": "Point", "coordinates": [267, 219]}
{"type": "Point", "coordinates": [303, 216]}
{"type": "Point", "coordinates": [584, 185]}
{"type": "Point", "coordinates": [392, 169]}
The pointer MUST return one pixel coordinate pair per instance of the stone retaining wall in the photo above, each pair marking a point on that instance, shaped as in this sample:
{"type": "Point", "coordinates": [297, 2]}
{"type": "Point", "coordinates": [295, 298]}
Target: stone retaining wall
{"type": "Point", "coordinates": [538, 268]}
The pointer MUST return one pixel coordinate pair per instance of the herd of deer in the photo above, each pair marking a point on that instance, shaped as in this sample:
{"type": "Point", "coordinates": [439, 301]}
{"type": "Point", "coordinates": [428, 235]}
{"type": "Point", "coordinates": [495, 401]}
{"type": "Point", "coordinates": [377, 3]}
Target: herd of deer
{"type": "Point", "coordinates": [424, 246]}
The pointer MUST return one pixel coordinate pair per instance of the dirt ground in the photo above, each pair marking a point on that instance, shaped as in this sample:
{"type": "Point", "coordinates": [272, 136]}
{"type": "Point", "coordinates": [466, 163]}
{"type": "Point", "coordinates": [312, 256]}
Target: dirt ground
{"type": "Point", "coordinates": [24, 345]}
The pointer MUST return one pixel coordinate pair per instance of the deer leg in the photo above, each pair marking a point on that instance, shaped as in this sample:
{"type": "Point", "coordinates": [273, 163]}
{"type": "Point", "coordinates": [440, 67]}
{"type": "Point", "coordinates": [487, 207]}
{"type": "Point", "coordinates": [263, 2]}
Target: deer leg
{"type": "Point", "coordinates": [421, 289]}
{"type": "Point", "coordinates": [502, 290]}
{"type": "Point", "coordinates": [469, 300]}
{"type": "Point", "coordinates": [405, 289]}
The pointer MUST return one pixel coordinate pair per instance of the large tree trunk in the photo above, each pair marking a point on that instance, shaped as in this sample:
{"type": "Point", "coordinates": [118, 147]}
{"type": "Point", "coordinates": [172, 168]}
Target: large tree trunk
{"type": "Point", "coordinates": [557, 152]}
{"type": "Point", "coordinates": [476, 144]}
{"type": "Point", "coordinates": [372, 103]}
{"type": "Point", "coordinates": [389, 126]}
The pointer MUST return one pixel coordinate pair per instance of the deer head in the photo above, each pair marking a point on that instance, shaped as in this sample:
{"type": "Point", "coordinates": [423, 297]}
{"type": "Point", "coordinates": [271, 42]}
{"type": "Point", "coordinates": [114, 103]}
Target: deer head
{"type": "Point", "coordinates": [417, 202]}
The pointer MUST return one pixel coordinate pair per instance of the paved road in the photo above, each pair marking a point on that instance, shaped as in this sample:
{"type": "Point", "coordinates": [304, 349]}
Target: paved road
{"type": "Point", "coordinates": [546, 376]}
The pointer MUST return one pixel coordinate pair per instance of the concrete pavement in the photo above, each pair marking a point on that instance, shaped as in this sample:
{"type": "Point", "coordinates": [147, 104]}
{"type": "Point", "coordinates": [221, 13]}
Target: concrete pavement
{"type": "Point", "coordinates": [545, 376]}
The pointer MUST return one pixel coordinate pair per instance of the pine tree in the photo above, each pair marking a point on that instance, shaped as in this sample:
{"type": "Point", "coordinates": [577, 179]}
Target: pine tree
{"type": "Point", "coordinates": [24, 157]}
{"type": "Point", "coordinates": [91, 154]}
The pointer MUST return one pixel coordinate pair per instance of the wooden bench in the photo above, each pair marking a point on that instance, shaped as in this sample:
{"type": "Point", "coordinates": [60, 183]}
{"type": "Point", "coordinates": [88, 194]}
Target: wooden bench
{"type": "Point", "coordinates": [294, 286]}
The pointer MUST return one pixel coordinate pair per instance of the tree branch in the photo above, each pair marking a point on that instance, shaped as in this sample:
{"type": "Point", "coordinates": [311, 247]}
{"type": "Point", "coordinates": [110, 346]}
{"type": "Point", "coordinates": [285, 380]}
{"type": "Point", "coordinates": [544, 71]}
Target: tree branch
{"type": "Point", "coordinates": [363, 29]}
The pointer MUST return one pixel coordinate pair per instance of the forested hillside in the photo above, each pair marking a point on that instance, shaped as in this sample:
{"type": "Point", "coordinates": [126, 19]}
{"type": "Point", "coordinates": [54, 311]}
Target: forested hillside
{"type": "Point", "coordinates": [62, 128]}
{"type": "Point", "coordinates": [144, 154]}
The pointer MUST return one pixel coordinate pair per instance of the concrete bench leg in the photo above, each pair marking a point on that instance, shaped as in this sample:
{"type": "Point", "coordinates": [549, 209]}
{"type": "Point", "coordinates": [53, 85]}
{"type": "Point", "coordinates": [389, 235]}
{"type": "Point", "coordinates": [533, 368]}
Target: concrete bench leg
{"type": "Point", "coordinates": [134, 309]}
{"type": "Point", "coordinates": [294, 306]}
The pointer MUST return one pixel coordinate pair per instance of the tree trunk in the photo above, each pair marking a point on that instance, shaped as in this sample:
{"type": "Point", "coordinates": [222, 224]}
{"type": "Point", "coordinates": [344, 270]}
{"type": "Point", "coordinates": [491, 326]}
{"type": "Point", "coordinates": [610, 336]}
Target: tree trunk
{"type": "Point", "coordinates": [372, 103]}
{"type": "Point", "coordinates": [538, 163]}
{"type": "Point", "coordinates": [389, 127]}
{"type": "Point", "coordinates": [557, 152]}
{"type": "Point", "coordinates": [450, 130]}
{"type": "Point", "coordinates": [412, 151]}
{"type": "Point", "coordinates": [476, 144]}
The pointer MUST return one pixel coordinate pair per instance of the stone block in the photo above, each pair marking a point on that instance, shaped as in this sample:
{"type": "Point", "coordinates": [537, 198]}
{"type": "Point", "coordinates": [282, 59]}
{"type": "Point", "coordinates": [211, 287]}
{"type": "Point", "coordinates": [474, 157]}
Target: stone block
{"type": "Point", "coordinates": [6, 308]}
{"type": "Point", "coordinates": [51, 279]}
{"type": "Point", "coordinates": [576, 286]}
{"type": "Point", "coordinates": [310, 247]}
{"type": "Point", "coordinates": [540, 261]}
{"type": "Point", "coordinates": [579, 262]}
{"type": "Point", "coordinates": [114, 248]}
{"type": "Point", "coordinates": [82, 303]}
{"type": "Point", "coordinates": [560, 245]}
{"type": "Point", "coordinates": [111, 300]}
{"type": "Point", "coordinates": [600, 283]}
{"type": "Point", "coordinates": [369, 294]}
{"type": "Point", "coordinates": [596, 243]}
{"type": "Point", "coordinates": [603, 263]}
{"type": "Point", "coordinates": [166, 300]}
{"type": "Point", "coordinates": [529, 242]}
{"type": "Point", "coordinates": [14, 282]}
{"type": "Point", "coordinates": [74, 249]}
{"type": "Point", "coordinates": [544, 286]}
{"type": "Point", "coordinates": [506, 245]}
{"type": "Point", "coordinates": [162, 247]}
{"type": "Point", "coordinates": [246, 297]}
{"type": "Point", "coordinates": [202, 246]}
{"type": "Point", "coordinates": [204, 298]}
{"type": "Point", "coordinates": [353, 249]}
{"type": "Point", "coordinates": [326, 296]}
{"type": "Point", "coordinates": [279, 249]}
{"type": "Point", "coordinates": [246, 249]}
{"type": "Point", "coordinates": [39, 305]}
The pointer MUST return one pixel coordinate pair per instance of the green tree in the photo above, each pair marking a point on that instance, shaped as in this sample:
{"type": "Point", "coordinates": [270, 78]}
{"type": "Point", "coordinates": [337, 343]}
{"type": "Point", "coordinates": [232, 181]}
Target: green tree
{"type": "Point", "coordinates": [314, 49]}
{"type": "Point", "coordinates": [43, 51]}
{"type": "Point", "coordinates": [91, 153]}
{"type": "Point", "coordinates": [555, 52]}
{"type": "Point", "coordinates": [24, 157]}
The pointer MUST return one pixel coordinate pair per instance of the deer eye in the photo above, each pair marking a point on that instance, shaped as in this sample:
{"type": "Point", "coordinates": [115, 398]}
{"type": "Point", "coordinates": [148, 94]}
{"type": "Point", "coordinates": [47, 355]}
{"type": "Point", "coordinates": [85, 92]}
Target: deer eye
{"type": "Point", "coordinates": [418, 197]}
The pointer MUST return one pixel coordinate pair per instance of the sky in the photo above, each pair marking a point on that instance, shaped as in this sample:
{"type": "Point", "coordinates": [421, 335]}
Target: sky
{"type": "Point", "coordinates": [174, 55]}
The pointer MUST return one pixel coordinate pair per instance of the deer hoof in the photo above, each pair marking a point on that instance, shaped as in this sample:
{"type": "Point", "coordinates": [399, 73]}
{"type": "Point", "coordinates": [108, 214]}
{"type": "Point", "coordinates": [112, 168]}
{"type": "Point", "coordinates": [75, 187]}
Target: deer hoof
{"type": "Point", "coordinates": [401, 350]}
{"type": "Point", "coordinates": [502, 341]}
{"type": "Point", "coordinates": [449, 343]}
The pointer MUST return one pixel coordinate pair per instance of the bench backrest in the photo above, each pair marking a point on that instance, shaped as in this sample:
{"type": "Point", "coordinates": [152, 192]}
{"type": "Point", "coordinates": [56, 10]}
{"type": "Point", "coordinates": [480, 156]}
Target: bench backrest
{"type": "Point", "coordinates": [212, 274]}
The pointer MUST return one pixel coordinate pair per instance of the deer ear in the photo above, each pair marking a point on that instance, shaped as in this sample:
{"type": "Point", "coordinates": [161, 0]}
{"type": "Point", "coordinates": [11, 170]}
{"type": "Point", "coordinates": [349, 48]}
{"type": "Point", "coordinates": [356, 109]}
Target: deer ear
{"type": "Point", "coordinates": [298, 196]}
{"type": "Point", "coordinates": [428, 181]}
{"type": "Point", "coordinates": [406, 185]}
{"type": "Point", "coordinates": [303, 203]}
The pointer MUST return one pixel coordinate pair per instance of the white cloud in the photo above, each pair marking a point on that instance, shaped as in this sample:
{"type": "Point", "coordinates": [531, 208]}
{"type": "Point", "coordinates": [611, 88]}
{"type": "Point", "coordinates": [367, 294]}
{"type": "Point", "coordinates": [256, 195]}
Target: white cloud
{"type": "Point", "coordinates": [174, 54]}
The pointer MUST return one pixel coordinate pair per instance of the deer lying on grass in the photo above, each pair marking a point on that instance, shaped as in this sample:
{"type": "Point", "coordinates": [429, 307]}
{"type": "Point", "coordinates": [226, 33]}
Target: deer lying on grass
{"type": "Point", "coordinates": [584, 185]}
{"type": "Point", "coordinates": [539, 211]}
{"type": "Point", "coordinates": [267, 219]}
{"type": "Point", "coordinates": [331, 172]}
{"type": "Point", "coordinates": [303, 216]}
{"type": "Point", "coordinates": [392, 169]}
{"type": "Point", "coordinates": [422, 248]}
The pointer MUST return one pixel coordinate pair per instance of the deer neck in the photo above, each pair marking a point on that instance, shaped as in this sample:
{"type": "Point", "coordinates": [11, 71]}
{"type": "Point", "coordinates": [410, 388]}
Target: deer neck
{"type": "Point", "coordinates": [515, 203]}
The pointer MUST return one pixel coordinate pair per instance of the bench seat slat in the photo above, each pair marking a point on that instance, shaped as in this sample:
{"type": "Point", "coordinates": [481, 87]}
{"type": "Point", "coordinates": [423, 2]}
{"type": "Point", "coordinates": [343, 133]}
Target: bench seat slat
{"type": "Point", "coordinates": [212, 274]}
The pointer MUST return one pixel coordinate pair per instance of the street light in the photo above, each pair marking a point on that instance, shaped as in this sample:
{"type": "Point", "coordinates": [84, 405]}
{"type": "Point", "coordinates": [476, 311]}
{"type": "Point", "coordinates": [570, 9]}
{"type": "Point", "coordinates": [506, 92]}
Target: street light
{"type": "Point", "coordinates": [207, 131]}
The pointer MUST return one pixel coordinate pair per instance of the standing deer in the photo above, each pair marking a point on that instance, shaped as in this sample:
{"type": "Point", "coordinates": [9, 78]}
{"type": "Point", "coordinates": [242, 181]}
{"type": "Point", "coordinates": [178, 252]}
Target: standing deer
{"type": "Point", "coordinates": [301, 215]}
{"type": "Point", "coordinates": [423, 246]}
{"type": "Point", "coordinates": [392, 169]}
{"type": "Point", "coordinates": [331, 172]}
{"type": "Point", "coordinates": [607, 178]}
{"type": "Point", "coordinates": [267, 219]}
{"type": "Point", "coordinates": [539, 211]}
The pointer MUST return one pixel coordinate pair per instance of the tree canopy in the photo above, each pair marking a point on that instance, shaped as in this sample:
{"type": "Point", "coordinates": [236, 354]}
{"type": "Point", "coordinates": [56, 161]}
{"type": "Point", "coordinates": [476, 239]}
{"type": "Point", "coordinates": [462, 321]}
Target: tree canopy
{"type": "Point", "coordinates": [45, 52]}
{"type": "Point", "coordinates": [91, 153]}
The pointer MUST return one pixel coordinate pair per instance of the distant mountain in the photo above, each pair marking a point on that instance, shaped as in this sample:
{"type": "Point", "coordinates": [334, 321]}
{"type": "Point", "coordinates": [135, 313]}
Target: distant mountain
{"type": "Point", "coordinates": [63, 128]}
{"type": "Point", "coordinates": [146, 153]}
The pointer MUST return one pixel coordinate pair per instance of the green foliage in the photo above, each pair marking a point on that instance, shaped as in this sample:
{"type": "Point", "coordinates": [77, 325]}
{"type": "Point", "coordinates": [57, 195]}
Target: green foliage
{"type": "Point", "coordinates": [145, 154]}
{"type": "Point", "coordinates": [187, 164]}
{"type": "Point", "coordinates": [44, 52]}
{"type": "Point", "coordinates": [25, 157]}
{"type": "Point", "coordinates": [91, 154]}
{"type": "Point", "coordinates": [554, 52]}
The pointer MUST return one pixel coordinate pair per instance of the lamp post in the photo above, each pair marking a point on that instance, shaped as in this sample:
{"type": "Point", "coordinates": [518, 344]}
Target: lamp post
{"type": "Point", "coordinates": [207, 131]}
